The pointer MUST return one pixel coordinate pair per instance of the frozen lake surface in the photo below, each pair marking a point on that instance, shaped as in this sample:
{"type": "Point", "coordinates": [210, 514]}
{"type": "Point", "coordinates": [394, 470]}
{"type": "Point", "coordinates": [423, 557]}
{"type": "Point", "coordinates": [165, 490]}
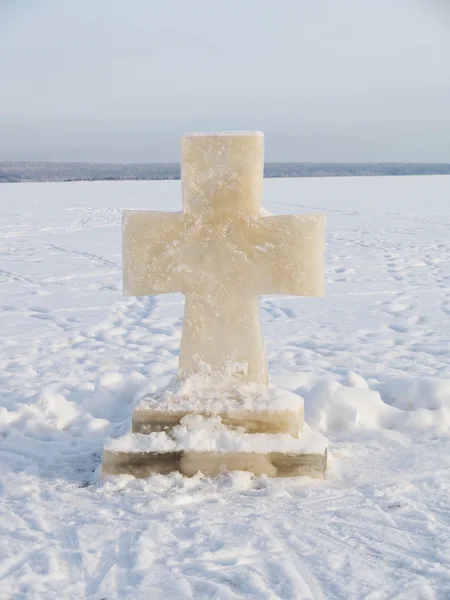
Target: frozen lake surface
{"type": "Point", "coordinates": [372, 361]}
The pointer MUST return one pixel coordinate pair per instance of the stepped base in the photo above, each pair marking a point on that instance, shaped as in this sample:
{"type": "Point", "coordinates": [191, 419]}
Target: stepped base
{"type": "Point", "coordinates": [274, 464]}
{"type": "Point", "coordinates": [251, 407]}
{"type": "Point", "coordinates": [148, 421]}
{"type": "Point", "coordinates": [213, 452]}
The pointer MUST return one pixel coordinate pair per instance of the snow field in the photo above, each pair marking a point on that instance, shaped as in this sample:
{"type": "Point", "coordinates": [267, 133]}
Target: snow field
{"type": "Point", "coordinates": [371, 360]}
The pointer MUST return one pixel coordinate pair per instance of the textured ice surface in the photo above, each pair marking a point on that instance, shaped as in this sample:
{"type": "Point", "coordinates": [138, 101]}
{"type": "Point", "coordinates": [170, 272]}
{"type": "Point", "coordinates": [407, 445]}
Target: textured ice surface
{"type": "Point", "coordinates": [222, 252]}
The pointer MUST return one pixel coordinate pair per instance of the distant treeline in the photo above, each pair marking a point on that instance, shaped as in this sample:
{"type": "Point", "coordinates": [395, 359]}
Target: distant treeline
{"type": "Point", "coordinates": [48, 171]}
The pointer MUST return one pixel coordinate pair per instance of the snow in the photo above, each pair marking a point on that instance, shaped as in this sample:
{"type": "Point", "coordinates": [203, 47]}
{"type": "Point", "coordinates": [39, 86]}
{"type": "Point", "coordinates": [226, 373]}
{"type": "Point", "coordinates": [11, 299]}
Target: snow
{"type": "Point", "coordinates": [206, 393]}
{"type": "Point", "coordinates": [371, 361]}
{"type": "Point", "coordinates": [202, 434]}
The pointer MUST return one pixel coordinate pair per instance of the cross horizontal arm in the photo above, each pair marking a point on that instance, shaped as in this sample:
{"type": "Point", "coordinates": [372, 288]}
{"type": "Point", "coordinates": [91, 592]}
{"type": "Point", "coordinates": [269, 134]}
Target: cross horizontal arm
{"type": "Point", "coordinates": [288, 254]}
{"type": "Point", "coordinates": [151, 252]}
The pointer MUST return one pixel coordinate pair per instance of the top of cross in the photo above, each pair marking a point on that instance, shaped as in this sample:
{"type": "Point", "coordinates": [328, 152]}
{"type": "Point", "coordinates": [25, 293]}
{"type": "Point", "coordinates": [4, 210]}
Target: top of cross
{"type": "Point", "coordinates": [222, 173]}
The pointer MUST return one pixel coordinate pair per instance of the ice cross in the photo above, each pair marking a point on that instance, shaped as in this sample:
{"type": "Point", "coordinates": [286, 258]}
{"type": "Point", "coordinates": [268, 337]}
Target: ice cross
{"type": "Point", "coordinates": [222, 252]}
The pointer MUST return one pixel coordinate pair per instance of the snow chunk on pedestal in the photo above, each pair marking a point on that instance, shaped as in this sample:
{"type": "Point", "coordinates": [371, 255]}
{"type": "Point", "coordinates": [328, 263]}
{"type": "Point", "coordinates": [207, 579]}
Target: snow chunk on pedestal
{"type": "Point", "coordinates": [203, 392]}
{"type": "Point", "coordinates": [201, 434]}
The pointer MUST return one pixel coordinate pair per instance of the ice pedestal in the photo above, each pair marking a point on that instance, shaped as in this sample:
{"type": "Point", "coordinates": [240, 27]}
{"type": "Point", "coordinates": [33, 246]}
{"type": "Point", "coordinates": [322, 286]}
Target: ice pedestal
{"type": "Point", "coordinates": [253, 428]}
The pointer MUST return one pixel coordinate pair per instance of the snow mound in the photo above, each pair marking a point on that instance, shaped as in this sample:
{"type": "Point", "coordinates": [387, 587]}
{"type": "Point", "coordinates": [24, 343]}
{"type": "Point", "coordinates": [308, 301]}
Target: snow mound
{"type": "Point", "coordinates": [201, 434]}
{"type": "Point", "coordinates": [401, 404]}
{"type": "Point", "coordinates": [416, 394]}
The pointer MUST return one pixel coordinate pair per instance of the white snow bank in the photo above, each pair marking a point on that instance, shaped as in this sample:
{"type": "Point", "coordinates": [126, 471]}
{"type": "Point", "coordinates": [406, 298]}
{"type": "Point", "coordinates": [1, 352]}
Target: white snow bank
{"type": "Point", "coordinates": [90, 413]}
{"type": "Point", "coordinates": [396, 404]}
{"type": "Point", "coordinates": [113, 393]}
{"type": "Point", "coordinates": [415, 394]}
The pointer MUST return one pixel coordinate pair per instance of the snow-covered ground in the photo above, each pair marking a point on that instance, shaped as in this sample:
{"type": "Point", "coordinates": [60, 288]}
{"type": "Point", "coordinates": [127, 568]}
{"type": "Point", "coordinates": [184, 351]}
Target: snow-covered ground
{"type": "Point", "coordinates": [372, 361]}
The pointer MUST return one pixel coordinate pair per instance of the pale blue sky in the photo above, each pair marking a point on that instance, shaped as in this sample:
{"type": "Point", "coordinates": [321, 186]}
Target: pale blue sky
{"type": "Point", "coordinates": [326, 80]}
